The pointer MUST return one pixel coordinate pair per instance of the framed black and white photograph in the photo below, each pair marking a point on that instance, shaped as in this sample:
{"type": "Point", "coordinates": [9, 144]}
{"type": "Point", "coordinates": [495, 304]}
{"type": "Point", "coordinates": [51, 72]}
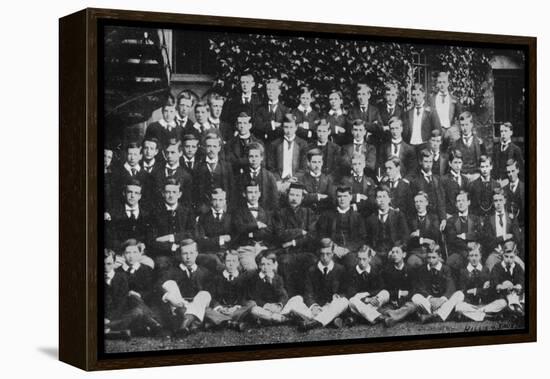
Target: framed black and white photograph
{"type": "Point", "coordinates": [258, 189]}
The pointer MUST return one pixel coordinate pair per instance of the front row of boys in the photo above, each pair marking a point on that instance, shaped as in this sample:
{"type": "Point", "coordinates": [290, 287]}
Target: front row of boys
{"type": "Point", "coordinates": [186, 295]}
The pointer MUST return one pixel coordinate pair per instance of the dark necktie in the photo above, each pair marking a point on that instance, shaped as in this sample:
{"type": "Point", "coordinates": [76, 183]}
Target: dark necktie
{"type": "Point", "coordinates": [230, 277]}
{"type": "Point", "coordinates": [219, 217]}
{"type": "Point", "coordinates": [428, 178]}
{"type": "Point", "coordinates": [382, 218]}
{"type": "Point", "coordinates": [212, 166]}
{"type": "Point", "coordinates": [170, 171]}
{"type": "Point", "coordinates": [395, 147]}
{"type": "Point", "coordinates": [443, 96]}
{"type": "Point", "coordinates": [500, 220]}
{"type": "Point", "coordinates": [390, 111]}
{"type": "Point", "coordinates": [363, 110]}
{"type": "Point", "coordinates": [418, 110]}
{"type": "Point", "coordinates": [271, 108]}
{"type": "Point", "coordinates": [358, 147]}
{"type": "Point", "coordinates": [364, 275]}
{"type": "Point", "coordinates": [134, 172]}
{"type": "Point", "coordinates": [133, 215]}
{"type": "Point", "coordinates": [463, 219]}
{"type": "Point", "coordinates": [325, 271]}
{"type": "Point", "coordinates": [421, 219]}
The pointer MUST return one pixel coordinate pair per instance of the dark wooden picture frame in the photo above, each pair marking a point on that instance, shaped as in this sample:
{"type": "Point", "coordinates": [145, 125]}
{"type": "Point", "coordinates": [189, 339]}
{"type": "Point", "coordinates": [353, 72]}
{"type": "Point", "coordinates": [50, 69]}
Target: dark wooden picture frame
{"type": "Point", "coordinates": [80, 170]}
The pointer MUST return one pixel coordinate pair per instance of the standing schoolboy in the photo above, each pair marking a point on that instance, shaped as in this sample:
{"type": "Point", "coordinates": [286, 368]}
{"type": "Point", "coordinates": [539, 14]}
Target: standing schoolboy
{"type": "Point", "coordinates": [246, 100]}
{"type": "Point", "coordinates": [318, 186]}
{"type": "Point", "coordinates": [482, 188]}
{"type": "Point", "coordinates": [505, 151]}
{"type": "Point", "coordinates": [453, 182]}
{"type": "Point", "coordinates": [306, 116]}
{"type": "Point", "coordinates": [396, 147]}
{"type": "Point", "coordinates": [446, 109]}
{"type": "Point", "coordinates": [223, 128]}
{"type": "Point", "coordinates": [131, 169]}
{"type": "Point", "coordinates": [362, 187]}
{"type": "Point", "coordinates": [400, 188]}
{"type": "Point", "coordinates": [269, 118]}
{"type": "Point", "coordinates": [418, 123]}
{"type": "Point", "coordinates": [330, 150]}
{"type": "Point", "coordinates": [337, 118]}
{"type": "Point", "coordinates": [440, 157]}
{"type": "Point", "coordinates": [235, 150]}
{"type": "Point", "coordinates": [360, 145]}
{"type": "Point", "coordinates": [184, 106]}
{"type": "Point", "coordinates": [151, 161]}
{"type": "Point", "coordinates": [366, 112]}
{"type": "Point", "coordinates": [471, 146]}
{"type": "Point", "coordinates": [515, 192]}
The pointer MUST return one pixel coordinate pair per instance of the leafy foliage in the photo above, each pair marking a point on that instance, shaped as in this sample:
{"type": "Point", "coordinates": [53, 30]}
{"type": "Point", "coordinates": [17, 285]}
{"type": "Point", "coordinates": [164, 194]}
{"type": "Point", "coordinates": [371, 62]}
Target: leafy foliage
{"type": "Point", "coordinates": [324, 64]}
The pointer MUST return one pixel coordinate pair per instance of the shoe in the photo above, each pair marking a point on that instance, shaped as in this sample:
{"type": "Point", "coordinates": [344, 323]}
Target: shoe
{"type": "Point", "coordinates": [425, 319]}
{"type": "Point", "coordinates": [306, 325]}
{"type": "Point", "coordinates": [379, 320]}
{"type": "Point", "coordinates": [350, 321]}
{"type": "Point", "coordinates": [278, 318]}
{"type": "Point", "coordinates": [338, 323]}
{"type": "Point", "coordinates": [389, 322]}
{"type": "Point", "coordinates": [153, 327]}
{"type": "Point", "coordinates": [240, 326]}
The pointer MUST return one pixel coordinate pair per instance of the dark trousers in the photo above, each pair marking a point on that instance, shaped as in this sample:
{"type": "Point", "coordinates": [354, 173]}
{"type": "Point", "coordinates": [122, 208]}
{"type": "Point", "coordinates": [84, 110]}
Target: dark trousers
{"type": "Point", "coordinates": [217, 317]}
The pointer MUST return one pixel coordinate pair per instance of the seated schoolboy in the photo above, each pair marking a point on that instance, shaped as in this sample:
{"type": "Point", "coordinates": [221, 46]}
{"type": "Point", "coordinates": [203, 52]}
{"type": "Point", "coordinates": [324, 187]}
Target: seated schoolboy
{"type": "Point", "coordinates": [185, 291]}
{"type": "Point", "coordinates": [435, 293]}
{"type": "Point", "coordinates": [323, 301]}
{"type": "Point", "coordinates": [266, 289]}
{"type": "Point", "coordinates": [184, 106]}
{"type": "Point", "coordinates": [365, 288]}
{"type": "Point", "coordinates": [424, 227]}
{"type": "Point", "coordinates": [115, 297]}
{"type": "Point", "coordinates": [318, 186]}
{"type": "Point", "coordinates": [474, 282]}
{"type": "Point", "coordinates": [228, 307]}
{"type": "Point", "coordinates": [508, 279]}
{"type": "Point", "coordinates": [152, 161]}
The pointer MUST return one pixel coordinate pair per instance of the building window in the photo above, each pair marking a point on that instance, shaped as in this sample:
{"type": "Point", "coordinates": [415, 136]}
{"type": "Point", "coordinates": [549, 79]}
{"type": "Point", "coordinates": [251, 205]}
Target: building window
{"type": "Point", "coordinates": [191, 56]}
{"type": "Point", "coordinates": [420, 69]}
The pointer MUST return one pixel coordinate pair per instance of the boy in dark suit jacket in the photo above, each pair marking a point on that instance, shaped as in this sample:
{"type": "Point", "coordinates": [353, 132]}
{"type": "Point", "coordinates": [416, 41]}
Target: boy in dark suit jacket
{"type": "Point", "coordinates": [505, 151]}
{"type": "Point", "coordinates": [396, 147]}
{"type": "Point", "coordinates": [515, 192]}
{"type": "Point", "coordinates": [192, 156]}
{"type": "Point", "coordinates": [213, 232]}
{"type": "Point", "coordinates": [361, 146]}
{"type": "Point", "coordinates": [235, 151]}
{"type": "Point", "coordinates": [386, 227]}
{"type": "Point", "coordinates": [295, 229]}
{"type": "Point", "coordinates": [129, 220]}
{"type": "Point", "coordinates": [269, 199]}
{"type": "Point", "coordinates": [285, 156]}
{"type": "Point", "coordinates": [214, 172]}
{"type": "Point", "coordinates": [440, 157]}
{"type": "Point", "coordinates": [499, 228]}
{"type": "Point", "coordinates": [173, 170]}
{"type": "Point", "coordinates": [221, 127]}
{"type": "Point", "coordinates": [453, 182]}
{"type": "Point", "coordinates": [115, 297]}
{"type": "Point", "coordinates": [138, 316]}
{"type": "Point", "coordinates": [185, 291]}
{"type": "Point", "coordinates": [471, 146]}
{"type": "Point", "coordinates": [365, 288]}
{"type": "Point", "coordinates": [151, 161]}
{"type": "Point", "coordinates": [419, 123]}
{"type": "Point", "coordinates": [398, 281]}
{"type": "Point", "coordinates": [184, 106]}
{"type": "Point", "coordinates": [344, 226]}
{"type": "Point", "coordinates": [424, 229]}
{"type": "Point", "coordinates": [252, 227]}
{"type": "Point", "coordinates": [330, 150]}
{"type": "Point", "coordinates": [244, 101]}
{"type": "Point", "coordinates": [389, 110]}
{"type": "Point", "coordinates": [228, 307]}
{"type": "Point", "coordinates": [166, 128]}
{"type": "Point", "coordinates": [269, 118]}
{"type": "Point", "coordinates": [446, 109]}
{"type": "Point", "coordinates": [131, 170]}
{"type": "Point", "coordinates": [362, 187]}
{"type": "Point", "coordinates": [306, 116]}
{"type": "Point", "coordinates": [508, 279]}
{"type": "Point", "coordinates": [108, 180]}
{"type": "Point", "coordinates": [431, 184]}
{"type": "Point", "coordinates": [461, 228]}
{"type": "Point", "coordinates": [323, 301]}
{"type": "Point", "coordinates": [474, 282]}
{"type": "Point", "coordinates": [336, 118]}
{"type": "Point", "coordinates": [170, 223]}
{"type": "Point", "coordinates": [266, 289]}
{"type": "Point", "coordinates": [435, 293]}
{"type": "Point", "coordinates": [400, 188]}
{"type": "Point", "coordinates": [366, 112]}
{"type": "Point", "coordinates": [318, 187]}
{"type": "Point", "coordinates": [482, 188]}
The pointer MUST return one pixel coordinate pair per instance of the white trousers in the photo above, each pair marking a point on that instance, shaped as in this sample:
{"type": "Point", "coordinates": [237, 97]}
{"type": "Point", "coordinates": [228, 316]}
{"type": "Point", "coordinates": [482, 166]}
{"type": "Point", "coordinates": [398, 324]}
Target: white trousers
{"type": "Point", "coordinates": [196, 307]}
{"type": "Point", "coordinates": [323, 314]}
{"type": "Point", "coordinates": [368, 311]}
{"type": "Point", "coordinates": [438, 305]}
{"type": "Point", "coordinates": [478, 312]}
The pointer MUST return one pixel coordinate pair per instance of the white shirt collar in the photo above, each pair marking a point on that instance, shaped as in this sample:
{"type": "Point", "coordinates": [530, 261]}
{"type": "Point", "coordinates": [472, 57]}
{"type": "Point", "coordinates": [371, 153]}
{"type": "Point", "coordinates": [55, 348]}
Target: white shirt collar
{"type": "Point", "coordinates": [337, 112]}
{"type": "Point", "coordinates": [512, 266]}
{"type": "Point", "coordinates": [221, 212]}
{"type": "Point", "coordinates": [290, 140]}
{"type": "Point", "coordinates": [358, 142]}
{"type": "Point", "coordinates": [321, 267]}
{"type": "Point", "coordinates": [245, 137]}
{"type": "Point", "coordinates": [174, 167]}
{"type": "Point", "coordinates": [423, 214]}
{"type": "Point", "coordinates": [255, 171]}
{"type": "Point", "coordinates": [211, 161]}
{"type": "Point", "coordinates": [187, 160]}
{"type": "Point", "coordinates": [470, 268]}
{"type": "Point", "coordinates": [397, 141]}
{"type": "Point", "coordinates": [360, 271]}
{"type": "Point", "coordinates": [274, 102]}
{"type": "Point", "coordinates": [226, 274]}
{"type": "Point", "coordinates": [110, 275]}
{"type": "Point", "coordinates": [202, 127]}
{"type": "Point", "coordinates": [150, 164]}
{"type": "Point", "coordinates": [129, 168]}
{"type": "Point", "coordinates": [262, 275]}
{"type": "Point", "coordinates": [438, 266]}
{"type": "Point", "coordinates": [252, 205]}
{"type": "Point", "coordinates": [314, 174]}
{"type": "Point", "coordinates": [322, 144]}
{"type": "Point", "coordinates": [128, 208]}
{"type": "Point", "coordinates": [182, 120]}
{"type": "Point", "coordinates": [301, 108]}
{"type": "Point", "coordinates": [463, 214]}
{"type": "Point", "coordinates": [189, 270]}
{"type": "Point", "coordinates": [400, 267]}
{"type": "Point", "coordinates": [343, 211]}
{"type": "Point", "coordinates": [171, 207]}
{"type": "Point", "coordinates": [213, 121]}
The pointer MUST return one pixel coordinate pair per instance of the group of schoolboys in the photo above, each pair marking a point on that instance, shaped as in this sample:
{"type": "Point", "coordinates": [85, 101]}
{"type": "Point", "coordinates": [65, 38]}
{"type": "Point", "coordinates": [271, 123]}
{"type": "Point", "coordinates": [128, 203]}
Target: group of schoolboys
{"type": "Point", "coordinates": [256, 213]}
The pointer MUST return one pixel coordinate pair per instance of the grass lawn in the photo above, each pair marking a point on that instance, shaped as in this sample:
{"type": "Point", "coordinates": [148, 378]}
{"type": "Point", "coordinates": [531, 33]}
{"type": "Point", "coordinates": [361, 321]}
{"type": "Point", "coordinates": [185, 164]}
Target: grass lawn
{"type": "Point", "coordinates": [289, 334]}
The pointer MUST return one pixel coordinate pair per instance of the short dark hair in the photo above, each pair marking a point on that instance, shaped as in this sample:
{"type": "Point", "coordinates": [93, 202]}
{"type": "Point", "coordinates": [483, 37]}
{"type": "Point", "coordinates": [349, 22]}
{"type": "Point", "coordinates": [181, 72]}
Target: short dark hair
{"type": "Point", "coordinates": [151, 139]}
{"type": "Point", "coordinates": [313, 152]}
{"type": "Point", "coordinates": [255, 146]}
{"type": "Point", "coordinates": [342, 189]}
